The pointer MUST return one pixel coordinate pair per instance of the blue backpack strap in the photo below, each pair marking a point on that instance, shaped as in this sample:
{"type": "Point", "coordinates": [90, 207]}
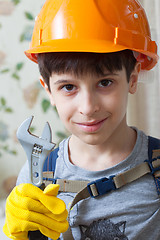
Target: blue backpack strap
{"type": "Point", "coordinates": [49, 167]}
{"type": "Point", "coordinates": [154, 144]}
{"type": "Point", "coordinates": [50, 162]}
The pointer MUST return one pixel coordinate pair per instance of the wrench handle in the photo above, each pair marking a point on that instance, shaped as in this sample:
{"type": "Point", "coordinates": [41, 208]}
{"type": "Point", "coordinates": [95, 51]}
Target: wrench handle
{"type": "Point", "coordinates": [36, 235]}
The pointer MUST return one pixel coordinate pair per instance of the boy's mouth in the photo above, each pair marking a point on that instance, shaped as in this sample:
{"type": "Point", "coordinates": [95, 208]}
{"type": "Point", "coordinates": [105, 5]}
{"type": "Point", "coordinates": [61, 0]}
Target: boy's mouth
{"type": "Point", "coordinates": [92, 126]}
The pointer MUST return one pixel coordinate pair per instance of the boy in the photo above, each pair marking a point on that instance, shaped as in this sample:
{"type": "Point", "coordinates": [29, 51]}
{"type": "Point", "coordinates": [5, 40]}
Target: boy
{"type": "Point", "coordinates": [89, 55]}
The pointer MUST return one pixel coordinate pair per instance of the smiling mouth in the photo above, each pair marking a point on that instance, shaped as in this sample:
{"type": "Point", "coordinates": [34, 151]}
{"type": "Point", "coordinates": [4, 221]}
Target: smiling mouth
{"type": "Point", "coordinates": [91, 126]}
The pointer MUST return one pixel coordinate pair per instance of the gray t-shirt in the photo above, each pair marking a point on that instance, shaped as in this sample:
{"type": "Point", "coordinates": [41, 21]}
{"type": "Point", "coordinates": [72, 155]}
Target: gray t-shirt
{"type": "Point", "coordinates": [129, 213]}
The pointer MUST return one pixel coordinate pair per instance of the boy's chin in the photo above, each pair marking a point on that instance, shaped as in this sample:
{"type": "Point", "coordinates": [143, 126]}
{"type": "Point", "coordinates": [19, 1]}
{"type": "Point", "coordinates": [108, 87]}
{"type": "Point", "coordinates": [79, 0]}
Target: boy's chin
{"type": "Point", "coordinates": [92, 139]}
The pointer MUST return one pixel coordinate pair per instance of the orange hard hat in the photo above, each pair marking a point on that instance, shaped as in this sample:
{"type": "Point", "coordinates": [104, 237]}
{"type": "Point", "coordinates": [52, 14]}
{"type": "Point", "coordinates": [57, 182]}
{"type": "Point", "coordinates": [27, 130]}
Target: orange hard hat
{"type": "Point", "coordinates": [99, 26]}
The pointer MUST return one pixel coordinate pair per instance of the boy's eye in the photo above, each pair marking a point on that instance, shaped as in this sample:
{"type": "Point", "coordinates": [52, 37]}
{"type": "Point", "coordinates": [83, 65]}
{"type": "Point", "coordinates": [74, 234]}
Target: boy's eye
{"type": "Point", "coordinates": [105, 83]}
{"type": "Point", "coordinates": [69, 87]}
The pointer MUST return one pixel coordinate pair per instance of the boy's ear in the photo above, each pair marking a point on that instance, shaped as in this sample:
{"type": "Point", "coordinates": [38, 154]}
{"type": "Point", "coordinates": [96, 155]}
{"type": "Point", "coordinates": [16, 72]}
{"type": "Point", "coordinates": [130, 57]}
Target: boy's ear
{"type": "Point", "coordinates": [134, 78]}
{"type": "Point", "coordinates": [44, 85]}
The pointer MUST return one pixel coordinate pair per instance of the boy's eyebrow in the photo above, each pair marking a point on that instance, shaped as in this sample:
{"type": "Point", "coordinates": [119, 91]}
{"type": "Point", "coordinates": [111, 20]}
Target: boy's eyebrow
{"type": "Point", "coordinates": [60, 81]}
{"type": "Point", "coordinates": [108, 74]}
{"type": "Point", "coordinates": [64, 81]}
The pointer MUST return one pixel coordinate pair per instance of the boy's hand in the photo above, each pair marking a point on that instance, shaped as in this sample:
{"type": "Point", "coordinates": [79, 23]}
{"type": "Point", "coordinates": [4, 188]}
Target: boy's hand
{"type": "Point", "coordinates": [28, 208]}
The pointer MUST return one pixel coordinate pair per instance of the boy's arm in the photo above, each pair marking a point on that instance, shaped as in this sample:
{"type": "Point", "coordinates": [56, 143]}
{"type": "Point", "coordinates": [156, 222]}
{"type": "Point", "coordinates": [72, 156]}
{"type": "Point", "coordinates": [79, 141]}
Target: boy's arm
{"type": "Point", "coordinates": [23, 176]}
{"type": "Point", "coordinates": [28, 208]}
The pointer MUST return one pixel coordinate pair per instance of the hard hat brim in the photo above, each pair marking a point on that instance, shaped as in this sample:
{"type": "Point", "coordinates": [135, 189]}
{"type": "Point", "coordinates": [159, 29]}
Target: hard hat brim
{"type": "Point", "coordinates": [94, 46]}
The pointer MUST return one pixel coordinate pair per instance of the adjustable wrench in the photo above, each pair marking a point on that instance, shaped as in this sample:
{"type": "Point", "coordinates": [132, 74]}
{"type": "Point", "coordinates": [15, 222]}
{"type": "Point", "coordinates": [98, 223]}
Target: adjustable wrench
{"type": "Point", "coordinates": [37, 150]}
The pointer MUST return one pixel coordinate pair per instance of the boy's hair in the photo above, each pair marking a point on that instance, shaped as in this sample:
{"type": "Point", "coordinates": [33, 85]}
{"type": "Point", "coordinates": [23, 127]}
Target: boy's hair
{"type": "Point", "coordinates": [79, 63]}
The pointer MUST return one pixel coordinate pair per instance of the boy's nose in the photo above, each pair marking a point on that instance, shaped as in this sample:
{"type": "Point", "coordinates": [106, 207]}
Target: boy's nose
{"type": "Point", "coordinates": [88, 104]}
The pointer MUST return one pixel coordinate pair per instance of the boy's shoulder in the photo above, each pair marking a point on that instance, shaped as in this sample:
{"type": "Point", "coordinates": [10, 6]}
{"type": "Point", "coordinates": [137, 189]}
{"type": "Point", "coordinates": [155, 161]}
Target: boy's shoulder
{"type": "Point", "coordinates": [152, 160]}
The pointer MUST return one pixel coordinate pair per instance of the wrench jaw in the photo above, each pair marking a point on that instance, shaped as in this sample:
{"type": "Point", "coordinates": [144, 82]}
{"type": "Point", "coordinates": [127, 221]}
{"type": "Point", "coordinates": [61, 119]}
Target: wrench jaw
{"type": "Point", "coordinates": [37, 149]}
{"type": "Point", "coordinates": [46, 134]}
{"type": "Point", "coordinates": [36, 163]}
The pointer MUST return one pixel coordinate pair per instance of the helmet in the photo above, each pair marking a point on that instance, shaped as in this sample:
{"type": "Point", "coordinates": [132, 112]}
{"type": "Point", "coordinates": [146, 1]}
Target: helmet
{"type": "Point", "coordinates": [99, 26]}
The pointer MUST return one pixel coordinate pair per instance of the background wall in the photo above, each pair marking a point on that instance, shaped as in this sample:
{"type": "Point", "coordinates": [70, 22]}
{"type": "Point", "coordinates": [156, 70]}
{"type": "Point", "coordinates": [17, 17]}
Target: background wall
{"type": "Point", "coordinates": [22, 96]}
{"type": "Point", "coordinates": [144, 106]}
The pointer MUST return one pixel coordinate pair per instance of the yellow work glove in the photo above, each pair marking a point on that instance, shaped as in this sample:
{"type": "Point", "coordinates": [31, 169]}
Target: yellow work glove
{"type": "Point", "coordinates": [28, 208]}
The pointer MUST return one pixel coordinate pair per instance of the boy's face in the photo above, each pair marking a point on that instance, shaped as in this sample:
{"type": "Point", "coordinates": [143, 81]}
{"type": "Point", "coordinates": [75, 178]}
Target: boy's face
{"type": "Point", "coordinates": [92, 108]}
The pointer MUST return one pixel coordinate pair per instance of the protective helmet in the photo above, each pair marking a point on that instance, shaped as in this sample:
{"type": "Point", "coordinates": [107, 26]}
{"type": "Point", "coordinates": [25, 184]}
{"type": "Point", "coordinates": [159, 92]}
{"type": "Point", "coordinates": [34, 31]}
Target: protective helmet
{"type": "Point", "coordinates": [99, 26]}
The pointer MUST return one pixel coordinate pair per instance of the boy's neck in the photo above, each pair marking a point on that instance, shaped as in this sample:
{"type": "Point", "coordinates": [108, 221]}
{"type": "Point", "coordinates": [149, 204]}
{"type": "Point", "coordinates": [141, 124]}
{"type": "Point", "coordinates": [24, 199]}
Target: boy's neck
{"type": "Point", "coordinates": [102, 156]}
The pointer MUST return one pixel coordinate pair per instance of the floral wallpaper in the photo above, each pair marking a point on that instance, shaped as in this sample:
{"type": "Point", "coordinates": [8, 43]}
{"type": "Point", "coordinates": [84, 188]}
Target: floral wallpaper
{"type": "Point", "coordinates": [21, 94]}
